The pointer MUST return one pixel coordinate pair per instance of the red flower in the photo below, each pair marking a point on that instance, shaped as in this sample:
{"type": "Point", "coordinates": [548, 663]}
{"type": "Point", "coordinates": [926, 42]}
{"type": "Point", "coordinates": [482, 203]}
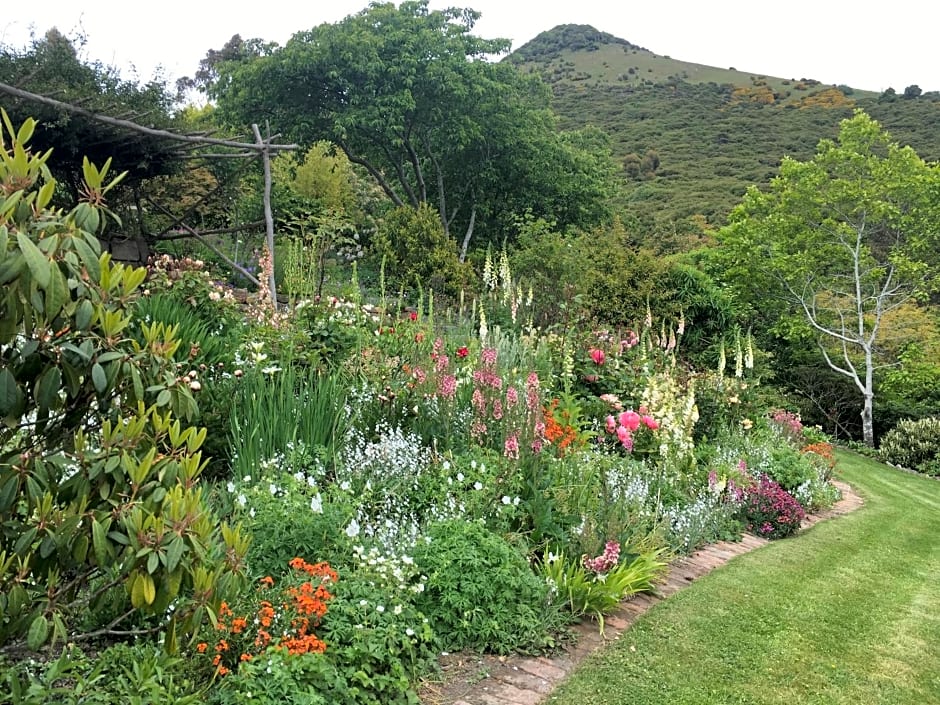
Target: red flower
{"type": "Point", "coordinates": [597, 355]}
{"type": "Point", "coordinates": [463, 351]}
{"type": "Point", "coordinates": [413, 315]}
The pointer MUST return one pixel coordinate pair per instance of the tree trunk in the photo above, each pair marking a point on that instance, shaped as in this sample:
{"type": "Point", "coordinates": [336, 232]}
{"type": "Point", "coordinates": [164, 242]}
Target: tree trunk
{"type": "Point", "coordinates": [868, 428]}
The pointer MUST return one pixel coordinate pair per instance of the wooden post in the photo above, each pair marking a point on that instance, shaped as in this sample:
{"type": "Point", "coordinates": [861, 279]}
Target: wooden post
{"type": "Point", "coordinates": [264, 146]}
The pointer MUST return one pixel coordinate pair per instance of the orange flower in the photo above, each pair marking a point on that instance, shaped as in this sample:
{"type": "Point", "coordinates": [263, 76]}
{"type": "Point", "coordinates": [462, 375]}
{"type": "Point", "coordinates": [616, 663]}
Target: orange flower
{"type": "Point", "coordinates": [245, 657]}
{"type": "Point", "coordinates": [267, 581]}
{"type": "Point", "coordinates": [238, 625]}
{"type": "Point", "coordinates": [201, 647]}
{"type": "Point", "coordinates": [223, 671]}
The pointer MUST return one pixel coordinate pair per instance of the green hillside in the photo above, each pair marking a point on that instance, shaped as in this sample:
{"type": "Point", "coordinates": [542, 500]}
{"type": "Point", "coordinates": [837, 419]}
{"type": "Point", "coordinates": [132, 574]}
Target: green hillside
{"type": "Point", "coordinates": [691, 138]}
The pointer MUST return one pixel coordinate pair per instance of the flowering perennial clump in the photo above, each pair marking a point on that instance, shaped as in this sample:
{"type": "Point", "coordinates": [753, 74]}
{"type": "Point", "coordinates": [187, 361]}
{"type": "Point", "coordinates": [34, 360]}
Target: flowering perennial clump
{"type": "Point", "coordinates": [283, 618]}
{"type": "Point", "coordinates": [789, 424]}
{"type": "Point", "coordinates": [626, 424]}
{"type": "Point", "coordinates": [770, 511]}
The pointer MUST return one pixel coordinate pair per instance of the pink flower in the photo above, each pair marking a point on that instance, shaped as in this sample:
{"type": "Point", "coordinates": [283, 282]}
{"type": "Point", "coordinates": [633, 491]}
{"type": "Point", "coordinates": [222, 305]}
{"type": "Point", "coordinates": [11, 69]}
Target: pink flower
{"type": "Point", "coordinates": [511, 447]}
{"type": "Point", "coordinates": [441, 363]}
{"type": "Point", "coordinates": [447, 386]}
{"type": "Point", "coordinates": [623, 435]}
{"type": "Point", "coordinates": [512, 397]}
{"type": "Point", "coordinates": [497, 409]}
{"type": "Point", "coordinates": [629, 340]}
{"type": "Point", "coordinates": [611, 424]}
{"type": "Point", "coordinates": [597, 355]}
{"type": "Point", "coordinates": [479, 403]}
{"type": "Point", "coordinates": [630, 419]}
{"type": "Point", "coordinates": [651, 423]}
{"type": "Point", "coordinates": [488, 356]}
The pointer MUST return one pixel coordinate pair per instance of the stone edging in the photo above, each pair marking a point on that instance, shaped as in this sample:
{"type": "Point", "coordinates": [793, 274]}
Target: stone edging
{"type": "Point", "coordinates": [521, 680]}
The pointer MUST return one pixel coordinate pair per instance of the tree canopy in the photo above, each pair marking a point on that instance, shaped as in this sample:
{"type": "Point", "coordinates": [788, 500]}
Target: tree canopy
{"type": "Point", "coordinates": [51, 66]}
{"type": "Point", "coordinates": [840, 241]}
{"type": "Point", "coordinates": [410, 96]}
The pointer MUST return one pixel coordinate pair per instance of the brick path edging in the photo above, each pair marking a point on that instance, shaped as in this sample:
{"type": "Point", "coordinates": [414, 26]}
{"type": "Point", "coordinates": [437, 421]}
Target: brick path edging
{"type": "Point", "coordinates": [522, 680]}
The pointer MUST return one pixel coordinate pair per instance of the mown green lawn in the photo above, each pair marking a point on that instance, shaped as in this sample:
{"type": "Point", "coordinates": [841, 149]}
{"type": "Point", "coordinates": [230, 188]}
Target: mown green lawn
{"type": "Point", "coordinates": [847, 612]}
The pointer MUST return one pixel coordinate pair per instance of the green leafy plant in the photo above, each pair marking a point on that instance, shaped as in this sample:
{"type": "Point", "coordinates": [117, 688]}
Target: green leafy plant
{"type": "Point", "coordinates": [278, 410]}
{"type": "Point", "coordinates": [481, 592]}
{"type": "Point", "coordinates": [913, 444]}
{"type": "Point", "coordinates": [142, 673]}
{"type": "Point", "coordinates": [98, 481]}
{"type": "Point", "coordinates": [595, 587]}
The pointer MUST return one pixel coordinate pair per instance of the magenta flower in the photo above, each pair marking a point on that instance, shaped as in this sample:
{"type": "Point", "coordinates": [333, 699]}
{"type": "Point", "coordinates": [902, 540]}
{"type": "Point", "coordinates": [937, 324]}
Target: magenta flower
{"type": "Point", "coordinates": [597, 355]}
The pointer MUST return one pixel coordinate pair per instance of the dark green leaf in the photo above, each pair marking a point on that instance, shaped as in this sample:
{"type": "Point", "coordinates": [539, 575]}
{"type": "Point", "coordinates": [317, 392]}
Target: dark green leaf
{"type": "Point", "coordinates": [99, 378]}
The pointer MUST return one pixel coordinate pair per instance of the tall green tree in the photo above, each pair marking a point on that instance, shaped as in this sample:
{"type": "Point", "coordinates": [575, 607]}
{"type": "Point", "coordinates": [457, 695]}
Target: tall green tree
{"type": "Point", "coordinates": [411, 96]}
{"type": "Point", "coordinates": [840, 241]}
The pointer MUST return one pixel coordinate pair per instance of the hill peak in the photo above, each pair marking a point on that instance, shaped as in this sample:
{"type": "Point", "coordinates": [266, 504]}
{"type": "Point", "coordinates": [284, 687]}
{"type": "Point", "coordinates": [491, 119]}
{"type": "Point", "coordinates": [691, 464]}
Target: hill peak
{"type": "Point", "coordinates": [550, 44]}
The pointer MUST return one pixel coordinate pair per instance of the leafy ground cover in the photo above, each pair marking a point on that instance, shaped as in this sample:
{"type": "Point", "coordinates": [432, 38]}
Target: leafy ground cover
{"type": "Point", "coordinates": [845, 613]}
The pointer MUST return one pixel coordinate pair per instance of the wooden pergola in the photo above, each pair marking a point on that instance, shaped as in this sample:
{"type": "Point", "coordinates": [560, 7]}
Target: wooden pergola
{"type": "Point", "coordinates": [262, 146]}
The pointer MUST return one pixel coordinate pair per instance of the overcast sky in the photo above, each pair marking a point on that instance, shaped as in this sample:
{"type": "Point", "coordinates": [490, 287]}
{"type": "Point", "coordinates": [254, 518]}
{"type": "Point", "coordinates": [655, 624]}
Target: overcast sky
{"type": "Point", "coordinates": [865, 45]}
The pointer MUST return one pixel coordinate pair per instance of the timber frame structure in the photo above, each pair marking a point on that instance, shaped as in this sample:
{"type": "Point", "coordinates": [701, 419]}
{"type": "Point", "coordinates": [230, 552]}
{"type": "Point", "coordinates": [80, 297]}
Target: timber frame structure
{"type": "Point", "coordinates": [262, 146]}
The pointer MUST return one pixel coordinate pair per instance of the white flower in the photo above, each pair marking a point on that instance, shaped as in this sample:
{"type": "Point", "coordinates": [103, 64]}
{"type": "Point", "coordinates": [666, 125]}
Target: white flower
{"type": "Point", "coordinates": [299, 476]}
{"type": "Point", "coordinates": [380, 608]}
{"type": "Point", "coordinates": [410, 632]}
{"type": "Point", "coordinates": [515, 502]}
{"type": "Point", "coordinates": [272, 488]}
{"type": "Point", "coordinates": [246, 478]}
{"type": "Point", "coordinates": [459, 477]}
{"type": "Point", "coordinates": [316, 504]}
{"type": "Point", "coordinates": [363, 603]}
{"type": "Point", "coordinates": [270, 370]}
{"type": "Point", "coordinates": [506, 500]}
{"type": "Point", "coordinates": [446, 465]}
{"type": "Point", "coordinates": [407, 560]}
{"type": "Point", "coordinates": [230, 486]}
{"type": "Point", "coordinates": [251, 512]}
{"type": "Point", "coordinates": [242, 500]}
{"type": "Point", "coordinates": [397, 609]}
{"type": "Point", "coordinates": [312, 481]}
{"type": "Point", "coordinates": [478, 485]}
{"type": "Point", "coordinates": [352, 531]}
{"type": "Point", "coordinates": [344, 485]}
